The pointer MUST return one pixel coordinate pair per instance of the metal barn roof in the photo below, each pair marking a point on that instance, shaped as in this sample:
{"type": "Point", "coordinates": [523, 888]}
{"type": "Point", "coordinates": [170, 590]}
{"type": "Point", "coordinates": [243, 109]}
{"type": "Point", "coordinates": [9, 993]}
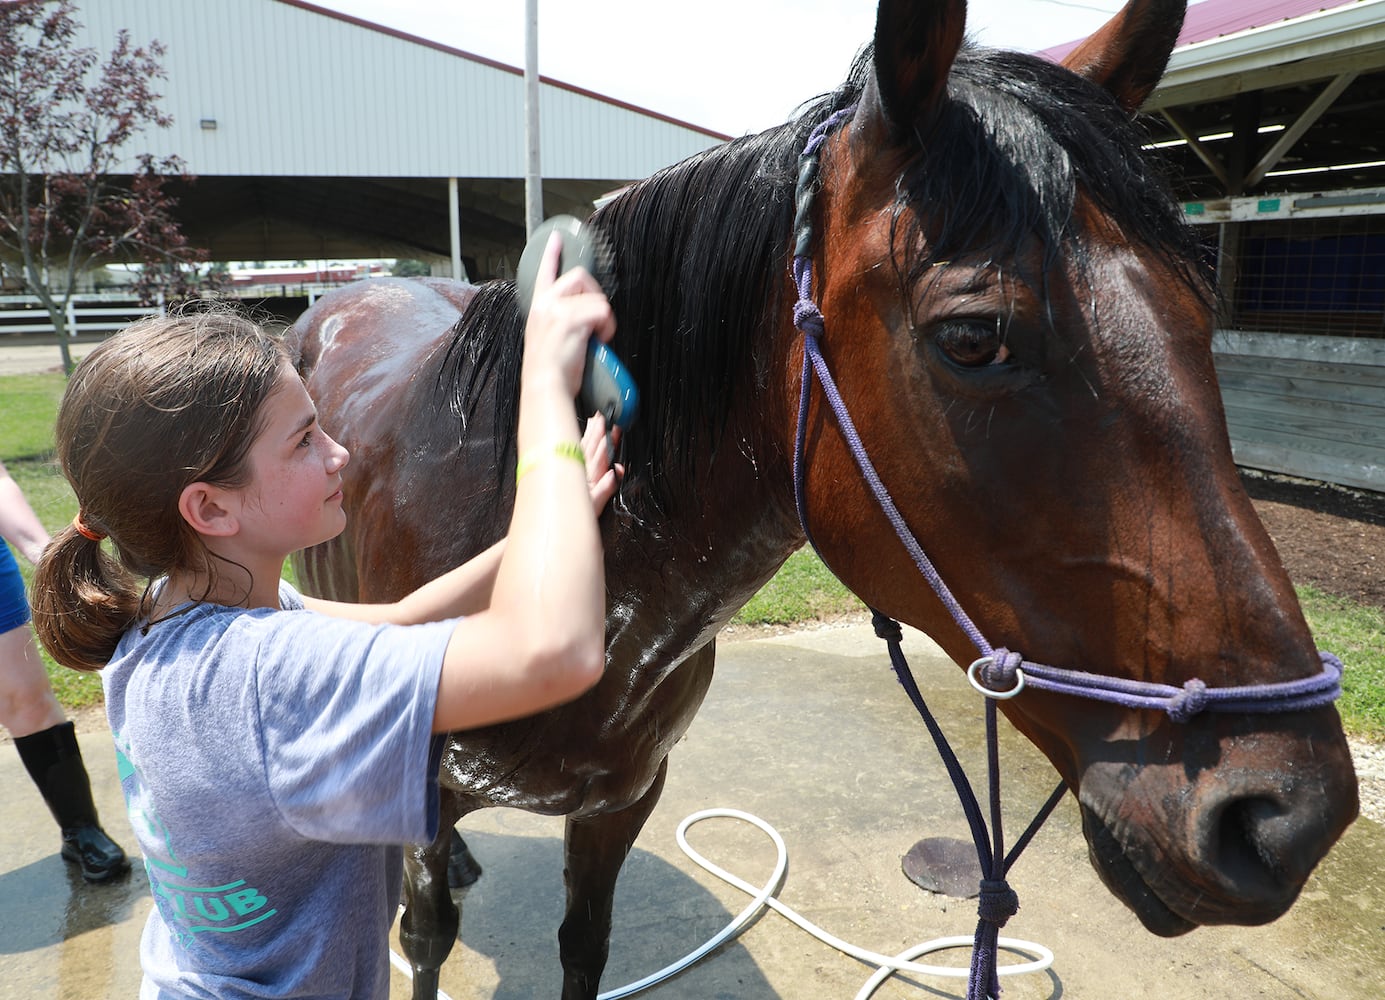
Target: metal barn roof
{"type": "Point", "coordinates": [1220, 18]}
{"type": "Point", "coordinates": [1280, 96]}
{"type": "Point", "coordinates": [316, 134]}
{"type": "Point", "coordinates": [284, 87]}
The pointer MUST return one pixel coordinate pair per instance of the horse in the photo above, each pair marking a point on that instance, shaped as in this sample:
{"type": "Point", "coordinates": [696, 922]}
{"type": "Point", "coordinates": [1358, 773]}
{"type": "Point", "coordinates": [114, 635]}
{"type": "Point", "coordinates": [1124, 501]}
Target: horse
{"type": "Point", "coordinates": [1019, 321]}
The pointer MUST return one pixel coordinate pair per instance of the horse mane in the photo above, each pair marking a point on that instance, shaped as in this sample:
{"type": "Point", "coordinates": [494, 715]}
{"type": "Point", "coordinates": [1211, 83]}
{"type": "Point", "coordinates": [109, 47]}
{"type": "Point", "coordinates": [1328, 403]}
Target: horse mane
{"type": "Point", "coordinates": [702, 247]}
{"type": "Point", "coordinates": [700, 250]}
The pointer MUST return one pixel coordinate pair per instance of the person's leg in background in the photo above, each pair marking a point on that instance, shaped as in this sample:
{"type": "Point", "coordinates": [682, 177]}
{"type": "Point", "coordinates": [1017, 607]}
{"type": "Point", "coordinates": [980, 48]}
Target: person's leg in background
{"type": "Point", "coordinates": [45, 739]}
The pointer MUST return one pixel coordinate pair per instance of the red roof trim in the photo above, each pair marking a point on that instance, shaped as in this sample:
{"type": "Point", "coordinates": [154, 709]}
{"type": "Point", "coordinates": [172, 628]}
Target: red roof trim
{"type": "Point", "coordinates": [1217, 18]}
{"type": "Point", "coordinates": [493, 64]}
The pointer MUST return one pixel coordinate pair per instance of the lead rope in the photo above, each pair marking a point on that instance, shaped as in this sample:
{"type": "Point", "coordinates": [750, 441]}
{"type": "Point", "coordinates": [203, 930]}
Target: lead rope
{"type": "Point", "coordinates": [998, 902]}
{"type": "Point", "coordinates": [998, 673]}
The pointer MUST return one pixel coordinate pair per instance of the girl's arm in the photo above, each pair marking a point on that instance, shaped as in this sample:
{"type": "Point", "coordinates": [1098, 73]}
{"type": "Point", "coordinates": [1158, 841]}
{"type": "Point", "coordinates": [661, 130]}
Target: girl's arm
{"type": "Point", "coordinates": [19, 525]}
{"type": "Point", "coordinates": [462, 591]}
{"type": "Point", "coordinates": [467, 589]}
{"type": "Point", "coordinates": [540, 639]}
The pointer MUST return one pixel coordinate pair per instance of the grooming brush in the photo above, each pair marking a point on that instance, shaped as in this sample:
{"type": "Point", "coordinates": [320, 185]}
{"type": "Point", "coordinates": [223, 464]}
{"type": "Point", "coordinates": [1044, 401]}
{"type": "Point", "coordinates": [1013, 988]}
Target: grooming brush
{"type": "Point", "coordinates": [606, 384]}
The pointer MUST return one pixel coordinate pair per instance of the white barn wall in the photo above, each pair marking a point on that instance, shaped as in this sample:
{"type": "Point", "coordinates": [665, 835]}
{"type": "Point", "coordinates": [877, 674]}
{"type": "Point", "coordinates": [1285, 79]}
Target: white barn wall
{"type": "Point", "coordinates": [295, 92]}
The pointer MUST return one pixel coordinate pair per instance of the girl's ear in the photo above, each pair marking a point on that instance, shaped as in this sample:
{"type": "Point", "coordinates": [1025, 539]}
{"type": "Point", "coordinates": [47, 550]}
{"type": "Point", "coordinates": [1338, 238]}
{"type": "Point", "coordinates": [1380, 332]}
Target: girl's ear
{"type": "Point", "coordinates": [210, 510]}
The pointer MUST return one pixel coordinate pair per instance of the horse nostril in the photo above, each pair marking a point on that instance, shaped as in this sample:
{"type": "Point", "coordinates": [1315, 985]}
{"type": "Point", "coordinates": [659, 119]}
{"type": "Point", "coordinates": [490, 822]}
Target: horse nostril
{"type": "Point", "coordinates": [1264, 846]}
{"type": "Point", "coordinates": [1246, 842]}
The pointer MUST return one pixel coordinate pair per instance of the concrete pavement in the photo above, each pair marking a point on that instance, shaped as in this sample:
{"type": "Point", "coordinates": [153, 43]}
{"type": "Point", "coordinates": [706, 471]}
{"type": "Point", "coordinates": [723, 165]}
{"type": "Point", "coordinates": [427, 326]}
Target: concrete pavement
{"type": "Point", "coordinates": [810, 732]}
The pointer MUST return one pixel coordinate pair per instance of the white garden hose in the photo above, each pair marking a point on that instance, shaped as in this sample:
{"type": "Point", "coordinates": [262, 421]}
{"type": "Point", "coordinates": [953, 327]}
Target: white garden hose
{"type": "Point", "coordinates": [763, 897]}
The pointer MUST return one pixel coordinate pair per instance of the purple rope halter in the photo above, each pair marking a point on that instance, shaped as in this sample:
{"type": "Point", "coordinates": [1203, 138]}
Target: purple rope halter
{"type": "Point", "coordinates": [998, 673]}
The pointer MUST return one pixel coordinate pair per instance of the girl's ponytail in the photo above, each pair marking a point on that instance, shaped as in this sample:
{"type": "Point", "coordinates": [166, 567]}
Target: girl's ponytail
{"type": "Point", "coordinates": [83, 601]}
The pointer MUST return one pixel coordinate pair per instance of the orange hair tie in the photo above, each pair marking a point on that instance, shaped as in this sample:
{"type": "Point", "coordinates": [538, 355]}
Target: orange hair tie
{"type": "Point", "coordinates": [86, 532]}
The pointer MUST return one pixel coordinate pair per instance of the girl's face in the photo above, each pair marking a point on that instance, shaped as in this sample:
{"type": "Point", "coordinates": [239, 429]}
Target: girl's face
{"type": "Point", "coordinates": [293, 498]}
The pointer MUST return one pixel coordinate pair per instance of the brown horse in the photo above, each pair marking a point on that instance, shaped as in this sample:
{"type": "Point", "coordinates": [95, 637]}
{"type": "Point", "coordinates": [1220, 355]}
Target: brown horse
{"type": "Point", "coordinates": [1017, 321]}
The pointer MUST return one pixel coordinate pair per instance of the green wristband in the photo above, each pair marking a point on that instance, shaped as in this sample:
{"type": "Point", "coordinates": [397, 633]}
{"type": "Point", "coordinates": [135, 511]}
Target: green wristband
{"type": "Point", "coordinates": [562, 449]}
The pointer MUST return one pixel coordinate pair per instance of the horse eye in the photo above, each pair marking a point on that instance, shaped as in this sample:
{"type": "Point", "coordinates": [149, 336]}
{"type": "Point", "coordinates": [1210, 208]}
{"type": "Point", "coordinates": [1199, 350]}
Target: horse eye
{"type": "Point", "coordinates": [971, 345]}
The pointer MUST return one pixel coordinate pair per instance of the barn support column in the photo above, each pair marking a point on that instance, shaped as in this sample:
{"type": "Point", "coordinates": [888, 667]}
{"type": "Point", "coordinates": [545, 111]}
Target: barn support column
{"type": "Point", "coordinates": [533, 173]}
{"type": "Point", "coordinates": [455, 229]}
{"type": "Point", "coordinates": [1245, 138]}
{"type": "Point", "coordinates": [1228, 263]}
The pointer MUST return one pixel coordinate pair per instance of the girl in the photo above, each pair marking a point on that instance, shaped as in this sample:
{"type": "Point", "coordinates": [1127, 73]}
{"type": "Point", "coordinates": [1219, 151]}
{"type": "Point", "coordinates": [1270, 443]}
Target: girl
{"type": "Point", "coordinates": [275, 748]}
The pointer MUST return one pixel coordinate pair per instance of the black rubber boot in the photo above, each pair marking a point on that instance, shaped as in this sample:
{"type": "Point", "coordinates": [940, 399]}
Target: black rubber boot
{"type": "Point", "coordinates": [54, 761]}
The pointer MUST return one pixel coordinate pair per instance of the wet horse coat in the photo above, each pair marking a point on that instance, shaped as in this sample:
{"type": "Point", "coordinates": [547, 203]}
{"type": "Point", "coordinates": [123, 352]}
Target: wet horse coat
{"type": "Point", "coordinates": [1016, 320]}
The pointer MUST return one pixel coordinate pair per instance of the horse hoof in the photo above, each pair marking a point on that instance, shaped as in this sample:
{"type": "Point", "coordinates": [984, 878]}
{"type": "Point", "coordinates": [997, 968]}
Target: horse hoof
{"type": "Point", "coordinates": [462, 869]}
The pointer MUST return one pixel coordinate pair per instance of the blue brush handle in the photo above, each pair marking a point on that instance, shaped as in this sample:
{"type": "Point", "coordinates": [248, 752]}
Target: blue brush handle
{"type": "Point", "coordinates": [607, 387]}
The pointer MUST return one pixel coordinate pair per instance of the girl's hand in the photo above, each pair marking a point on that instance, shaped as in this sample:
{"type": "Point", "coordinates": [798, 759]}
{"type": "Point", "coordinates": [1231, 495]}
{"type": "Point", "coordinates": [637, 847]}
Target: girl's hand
{"type": "Point", "coordinates": [566, 312]}
{"type": "Point", "coordinates": [602, 475]}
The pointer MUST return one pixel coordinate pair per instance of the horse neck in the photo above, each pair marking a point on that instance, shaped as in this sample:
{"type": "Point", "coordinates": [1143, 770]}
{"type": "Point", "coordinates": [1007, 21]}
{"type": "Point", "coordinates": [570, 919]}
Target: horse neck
{"type": "Point", "coordinates": [732, 525]}
{"type": "Point", "coordinates": [704, 301]}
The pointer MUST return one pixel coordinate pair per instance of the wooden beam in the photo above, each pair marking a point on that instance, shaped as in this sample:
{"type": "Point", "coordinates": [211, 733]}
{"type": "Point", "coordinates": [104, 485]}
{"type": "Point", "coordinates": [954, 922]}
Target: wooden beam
{"type": "Point", "coordinates": [1302, 124]}
{"type": "Point", "coordinates": [1199, 150]}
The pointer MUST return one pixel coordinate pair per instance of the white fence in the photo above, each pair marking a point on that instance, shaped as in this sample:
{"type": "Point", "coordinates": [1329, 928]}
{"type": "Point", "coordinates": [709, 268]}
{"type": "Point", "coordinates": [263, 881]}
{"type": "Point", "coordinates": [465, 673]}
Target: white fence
{"type": "Point", "coordinates": [86, 314]}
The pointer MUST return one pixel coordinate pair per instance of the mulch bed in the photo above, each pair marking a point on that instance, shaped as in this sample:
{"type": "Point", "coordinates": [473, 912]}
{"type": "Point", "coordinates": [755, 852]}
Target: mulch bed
{"type": "Point", "coordinates": [1328, 536]}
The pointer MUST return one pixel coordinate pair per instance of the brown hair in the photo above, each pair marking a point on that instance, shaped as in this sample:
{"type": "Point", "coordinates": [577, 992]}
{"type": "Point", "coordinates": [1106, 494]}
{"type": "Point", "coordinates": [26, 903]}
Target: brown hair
{"type": "Point", "coordinates": [168, 401]}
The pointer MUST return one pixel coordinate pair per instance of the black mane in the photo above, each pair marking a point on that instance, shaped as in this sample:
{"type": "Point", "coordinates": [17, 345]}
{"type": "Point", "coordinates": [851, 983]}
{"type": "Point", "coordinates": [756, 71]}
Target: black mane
{"type": "Point", "coordinates": [1005, 158]}
{"type": "Point", "coordinates": [701, 251]}
{"type": "Point", "coordinates": [702, 247]}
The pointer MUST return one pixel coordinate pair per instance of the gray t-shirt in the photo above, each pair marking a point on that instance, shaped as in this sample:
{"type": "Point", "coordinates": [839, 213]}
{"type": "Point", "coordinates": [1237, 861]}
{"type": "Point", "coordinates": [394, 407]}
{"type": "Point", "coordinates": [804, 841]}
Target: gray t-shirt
{"type": "Point", "coordinates": [272, 763]}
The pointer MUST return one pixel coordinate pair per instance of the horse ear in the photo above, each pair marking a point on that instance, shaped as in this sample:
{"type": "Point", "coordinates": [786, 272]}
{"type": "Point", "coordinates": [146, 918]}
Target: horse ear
{"type": "Point", "coordinates": [915, 44]}
{"type": "Point", "coordinates": [1129, 54]}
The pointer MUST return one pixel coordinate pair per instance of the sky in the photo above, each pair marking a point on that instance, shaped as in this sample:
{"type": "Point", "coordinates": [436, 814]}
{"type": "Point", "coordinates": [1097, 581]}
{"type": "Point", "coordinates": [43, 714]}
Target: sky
{"type": "Point", "coordinates": [732, 66]}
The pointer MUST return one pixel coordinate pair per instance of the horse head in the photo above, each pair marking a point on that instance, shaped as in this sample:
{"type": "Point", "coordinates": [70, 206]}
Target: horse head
{"type": "Point", "coordinates": [1017, 319]}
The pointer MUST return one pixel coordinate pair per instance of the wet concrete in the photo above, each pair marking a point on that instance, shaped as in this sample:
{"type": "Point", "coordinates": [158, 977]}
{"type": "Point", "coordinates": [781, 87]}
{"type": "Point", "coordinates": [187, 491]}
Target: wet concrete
{"type": "Point", "coordinates": [811, 733]}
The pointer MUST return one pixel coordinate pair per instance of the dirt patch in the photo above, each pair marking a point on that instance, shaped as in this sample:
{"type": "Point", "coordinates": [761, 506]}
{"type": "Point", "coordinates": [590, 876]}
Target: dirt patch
{"type": "Point", "coordinates": [1328, 536]}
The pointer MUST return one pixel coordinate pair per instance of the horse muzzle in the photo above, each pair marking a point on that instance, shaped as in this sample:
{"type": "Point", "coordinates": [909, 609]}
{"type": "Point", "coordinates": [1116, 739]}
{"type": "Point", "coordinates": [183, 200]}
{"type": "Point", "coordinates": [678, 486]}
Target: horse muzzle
{"type": "Point", "coordinates": [1232, 844]}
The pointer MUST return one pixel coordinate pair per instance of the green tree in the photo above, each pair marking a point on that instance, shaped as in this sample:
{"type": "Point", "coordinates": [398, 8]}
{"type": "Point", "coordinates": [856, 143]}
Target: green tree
{"type": "Point", "coordinates": [67, 119]}
{"type": "Point", "coordinates": [410, 269]}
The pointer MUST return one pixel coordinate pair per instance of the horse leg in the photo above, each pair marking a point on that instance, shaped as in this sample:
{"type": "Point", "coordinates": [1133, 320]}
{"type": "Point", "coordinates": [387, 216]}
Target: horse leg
{"type": "Point", "coordinates": [428, 929]}
{"type": "Point", "coordinates": [594, 849]}
{"type": "Point", "coordinates": [462, 867]}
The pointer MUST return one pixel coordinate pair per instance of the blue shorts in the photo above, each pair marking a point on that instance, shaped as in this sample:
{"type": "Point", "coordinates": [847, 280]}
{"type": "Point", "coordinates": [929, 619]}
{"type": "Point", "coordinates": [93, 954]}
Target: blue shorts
{"type": "Point", "coordinates": [14, 606]}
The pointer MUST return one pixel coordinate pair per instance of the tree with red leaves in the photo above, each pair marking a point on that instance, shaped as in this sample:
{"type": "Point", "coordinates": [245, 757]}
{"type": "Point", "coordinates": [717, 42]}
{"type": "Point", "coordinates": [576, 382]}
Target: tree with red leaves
{"type": "Point", "coordinates": [71, 195]}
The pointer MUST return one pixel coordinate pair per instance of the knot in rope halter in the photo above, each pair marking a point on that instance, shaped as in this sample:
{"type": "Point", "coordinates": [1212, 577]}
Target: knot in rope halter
{"type": "Point", "coordinates": [998, 901]}
{"type": "Point", "coordinates": [998, 675]}
{"type": "Point", "coordinates": [808, 318]}
{"type": "Point", "coordinates": [1189, 701]}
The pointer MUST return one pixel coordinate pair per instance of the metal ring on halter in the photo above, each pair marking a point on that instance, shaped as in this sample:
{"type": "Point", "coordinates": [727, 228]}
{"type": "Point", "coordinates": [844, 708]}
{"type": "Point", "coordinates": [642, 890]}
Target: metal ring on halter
{"type": "Point", "coordinates": [989, 692]}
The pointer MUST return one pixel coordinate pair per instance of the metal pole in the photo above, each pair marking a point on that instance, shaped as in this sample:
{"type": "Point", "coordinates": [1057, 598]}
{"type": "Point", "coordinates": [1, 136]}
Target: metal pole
{"type": "Point", "coordinates": [453, 213]}
{"type": "Point", "coordinates": [533, 179]}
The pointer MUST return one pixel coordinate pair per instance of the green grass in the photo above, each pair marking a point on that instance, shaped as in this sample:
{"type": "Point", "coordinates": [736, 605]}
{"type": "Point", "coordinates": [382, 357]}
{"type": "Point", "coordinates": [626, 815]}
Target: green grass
{"type": "Point", "coordinates": [1356, 633]}
{"type": "Point", "coordinates": [803, 590]}
{"type": "Point", "coordinates": [26, 418]}
{"type": "Point", "coordinates": [28, 406]}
